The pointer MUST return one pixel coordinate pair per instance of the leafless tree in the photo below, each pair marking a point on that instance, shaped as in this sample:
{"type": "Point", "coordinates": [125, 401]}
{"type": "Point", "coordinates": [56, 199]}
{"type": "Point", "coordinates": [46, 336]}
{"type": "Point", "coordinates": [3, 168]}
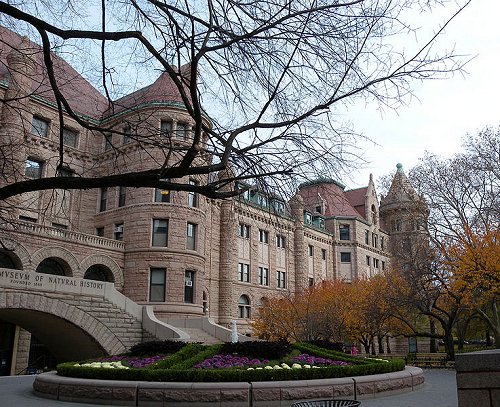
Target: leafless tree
{"type": "Point", "coordinates": [260, 81]}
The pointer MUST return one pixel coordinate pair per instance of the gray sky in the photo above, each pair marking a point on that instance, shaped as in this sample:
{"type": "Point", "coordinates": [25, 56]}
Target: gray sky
{"type": "Point", "coordinates": [443, 111]}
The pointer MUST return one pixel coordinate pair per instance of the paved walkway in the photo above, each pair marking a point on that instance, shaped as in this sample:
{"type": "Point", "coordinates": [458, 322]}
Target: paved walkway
{"type": "Point", "coordinates": [439, 390]}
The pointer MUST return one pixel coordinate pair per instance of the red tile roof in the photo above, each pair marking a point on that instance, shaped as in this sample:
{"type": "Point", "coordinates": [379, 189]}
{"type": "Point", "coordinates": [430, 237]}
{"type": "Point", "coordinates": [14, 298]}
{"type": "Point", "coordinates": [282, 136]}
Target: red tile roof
{"type": "Point", "coordinates": [80, 94]}
{"type": "Point", "coordinates": [336, 202]}
{"type": "Point", "coordinates": [356, 198]}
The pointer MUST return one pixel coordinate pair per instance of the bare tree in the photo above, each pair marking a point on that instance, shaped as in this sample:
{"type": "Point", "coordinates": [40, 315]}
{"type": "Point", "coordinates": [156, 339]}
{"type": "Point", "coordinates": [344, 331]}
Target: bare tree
{"type": "Point", "coordinates": [259, 80]}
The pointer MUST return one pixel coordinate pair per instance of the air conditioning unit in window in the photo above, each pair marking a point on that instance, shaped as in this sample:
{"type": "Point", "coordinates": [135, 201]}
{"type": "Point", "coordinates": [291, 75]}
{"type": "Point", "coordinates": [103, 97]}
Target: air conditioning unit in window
{"type": "Point", "coordinates": [189, 283]}
{"type": "Point", "coordinates": [119, 229]}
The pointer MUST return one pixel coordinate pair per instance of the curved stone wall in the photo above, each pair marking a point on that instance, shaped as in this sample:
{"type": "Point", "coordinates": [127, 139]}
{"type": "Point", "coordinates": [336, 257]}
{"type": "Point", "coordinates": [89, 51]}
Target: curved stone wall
{"type": "Point", "coordinates": [255, 394]}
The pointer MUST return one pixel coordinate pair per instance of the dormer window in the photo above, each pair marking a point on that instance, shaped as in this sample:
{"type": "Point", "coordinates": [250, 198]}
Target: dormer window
{"type": "Point", "coordinates": [308, 219]}
{"type": "Point", "coordinates": [319, 222]}
{"type": "Point", "coordinates": [318, 209]}
{"type": "Point", "coordinates": [278, 206]}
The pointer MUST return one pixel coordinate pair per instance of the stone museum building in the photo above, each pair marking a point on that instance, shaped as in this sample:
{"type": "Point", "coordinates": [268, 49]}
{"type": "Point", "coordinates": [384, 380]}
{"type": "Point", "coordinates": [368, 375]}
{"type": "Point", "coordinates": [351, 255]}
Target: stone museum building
{"type": "Point", "coordinates": [182, 254]}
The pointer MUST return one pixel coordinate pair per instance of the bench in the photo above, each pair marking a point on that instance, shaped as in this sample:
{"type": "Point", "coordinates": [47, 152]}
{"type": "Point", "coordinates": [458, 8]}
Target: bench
{"type": "Point", "coordinates": [427, 359]}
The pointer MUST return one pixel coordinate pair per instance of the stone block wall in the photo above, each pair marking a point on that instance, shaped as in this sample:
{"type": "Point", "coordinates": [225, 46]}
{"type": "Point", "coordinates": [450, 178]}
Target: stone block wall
{"type": "Point", "coordinates": [478, 379]}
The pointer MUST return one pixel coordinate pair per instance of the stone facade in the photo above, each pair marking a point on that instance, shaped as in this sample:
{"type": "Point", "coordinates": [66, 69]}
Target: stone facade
{"type": "Point", "coordinates": [184, 254]}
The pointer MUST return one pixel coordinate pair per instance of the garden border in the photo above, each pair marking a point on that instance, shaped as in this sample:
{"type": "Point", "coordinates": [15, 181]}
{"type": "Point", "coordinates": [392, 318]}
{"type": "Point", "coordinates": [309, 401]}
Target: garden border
{"type": "Point", "coordinates": [232, 394]}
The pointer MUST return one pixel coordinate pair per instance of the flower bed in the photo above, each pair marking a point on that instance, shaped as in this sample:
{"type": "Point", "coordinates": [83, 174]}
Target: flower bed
{"type": "Point", "coordinates": [199, 363]}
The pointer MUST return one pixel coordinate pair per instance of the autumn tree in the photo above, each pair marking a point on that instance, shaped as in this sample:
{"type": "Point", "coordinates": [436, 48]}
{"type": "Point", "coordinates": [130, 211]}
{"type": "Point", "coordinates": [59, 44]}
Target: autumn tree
{"type": "Point", "coordinates": [448, 265]}
{"type": "Point", "coordinates": [260, 82]}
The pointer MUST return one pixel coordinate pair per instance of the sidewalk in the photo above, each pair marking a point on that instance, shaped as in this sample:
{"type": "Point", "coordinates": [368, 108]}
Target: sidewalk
{"type": "Point", "coordinates": [439, 390]}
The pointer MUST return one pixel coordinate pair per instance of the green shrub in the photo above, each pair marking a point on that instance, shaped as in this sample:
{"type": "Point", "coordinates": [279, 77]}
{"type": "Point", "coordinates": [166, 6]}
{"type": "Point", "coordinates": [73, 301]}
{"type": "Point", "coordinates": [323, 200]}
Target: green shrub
{"type": "Point", "coordinates": [258, 349]}
{"type": "Point", "coordinates": [336, 346]}
{"type": "Point", "coordinates": [178, 367]}
{"type": "Point", "coordinates": [156, 348]}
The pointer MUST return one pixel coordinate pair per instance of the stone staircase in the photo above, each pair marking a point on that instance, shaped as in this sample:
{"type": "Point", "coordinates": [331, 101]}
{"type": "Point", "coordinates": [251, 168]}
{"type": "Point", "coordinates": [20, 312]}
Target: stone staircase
{"type": "Point", "coordinates": [199, 335]}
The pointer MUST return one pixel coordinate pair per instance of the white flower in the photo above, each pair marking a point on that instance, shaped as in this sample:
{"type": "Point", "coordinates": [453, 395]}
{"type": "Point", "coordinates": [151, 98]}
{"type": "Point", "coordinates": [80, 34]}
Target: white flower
{"type": "Point", "coordinates": [276, 367]}
{"type": "Point", "coordinates": [258, 368]}
{"type": "Point", "coordinates": [268, 367]}
{"type": "Point", "coordinates": [296, 366]}
{"type": "Point", "coordinates": [250, 368]}
{"type": "Point", "coordinates": [306, 366]}
{"type": "Point", "coordinates": [285, 366]}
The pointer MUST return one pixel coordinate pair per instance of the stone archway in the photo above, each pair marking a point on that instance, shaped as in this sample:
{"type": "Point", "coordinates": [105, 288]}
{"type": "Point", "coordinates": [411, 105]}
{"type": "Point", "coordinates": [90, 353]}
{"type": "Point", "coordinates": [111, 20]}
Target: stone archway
{"type": "Point", "coordinates": [106, 261]}
{"type": "Point", "coordinates": [56, 252]}
{"type": "Point", "coordinates": [68, 331]}
{"type": "Point", "coordinates": [17, 252]}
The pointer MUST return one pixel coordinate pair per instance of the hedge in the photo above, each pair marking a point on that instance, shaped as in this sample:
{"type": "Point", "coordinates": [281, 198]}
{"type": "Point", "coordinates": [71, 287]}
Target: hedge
{"type": "Point", "coordinates": [178, 368]}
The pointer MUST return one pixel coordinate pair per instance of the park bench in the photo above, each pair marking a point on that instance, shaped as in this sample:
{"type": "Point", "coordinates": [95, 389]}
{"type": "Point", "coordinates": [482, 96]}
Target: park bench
{"type": "Point", "coordinates": [427, 359]}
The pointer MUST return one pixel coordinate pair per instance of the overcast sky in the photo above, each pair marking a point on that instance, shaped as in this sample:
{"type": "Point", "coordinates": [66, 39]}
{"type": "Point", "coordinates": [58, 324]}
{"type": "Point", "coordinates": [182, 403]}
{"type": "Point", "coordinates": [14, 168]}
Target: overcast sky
{"type": "Point", "coordinates": [446, 110]}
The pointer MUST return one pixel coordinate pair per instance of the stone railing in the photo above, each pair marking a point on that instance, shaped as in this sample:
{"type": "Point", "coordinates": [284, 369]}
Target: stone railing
{"type": "Point", "coordinates": [67, 235]}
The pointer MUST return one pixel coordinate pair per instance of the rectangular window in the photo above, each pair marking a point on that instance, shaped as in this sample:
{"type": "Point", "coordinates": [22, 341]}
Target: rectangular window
{"type": "Point", "coordinates": [310, 250]}
{"type": "Point", "coordinates": [108, 142]}
{"type": "Point", "coordinates": [375, 263]}
{"type": "Point", "coordinates": [367, 260]}
{"type": "Point", "coordinates": [281, 279]}
{"type": "Point", "coordinates": [127, 132]}
{"type": "Point", "coordinates": [244, 272]}
{"type": "Point", "coordinates": [70, 137]}
{"type": "Point", "coordinates": [191, 236]}
{"type": "Point", "coordinates": [59, 225]}
{"type": "Point", "coordinates": [323, 254]}
{"type": "Point", "coordinates": [280, 241]}
{"type": "Point", "coordinates": [157, 284]}
{"type": "Point", "coordinates": [344, 232]}
{"type": "Point", "coordinates": [33, 168]}
{"type": "Point", "coordinates": [163, 195]}
{"type": "Point", "coordinates": [182, 131]}
{"type": "Point", "coordinates": [192, 196]}
{"type": "Point", "coordinates": [119, 231]}
{"type": "Point", "coordinates": [244, 231]}
{"type": "Point", "coordinates": [28, 219]}
{"type": "Point", "coordinates": [166, 128]}
{"type": "Point", "coordinates": [39, 127]}
{"type": "Point", "coordinates": [160, 233]}
{"type": "Point", "coordinates": [122, 195]}
{"type": "Point", "coordinates": [311, 281]}
{"type": "Point", "coordinates": [367, 235]}
{"type": "Point", "coordinates": [103, 199]}
{"type": "Point", "coordinates": [382, 243]}
{"type": "Point", "coordinates": [263, 276]}
{"type": "Point", "coordinates": [345, 257]}
{"type": "Point", "coordinates": [374, 240]}
{"type": "Point", "coordinates": [263, 236]}
{"type": "Point", "coordinates": [383, 265]}
{"type": "Point", "coordinates": [100, 231]}
{"type": "Point", "coordinates": [189, 287]}
{"type": "Point", "coordinates": [308, 219]}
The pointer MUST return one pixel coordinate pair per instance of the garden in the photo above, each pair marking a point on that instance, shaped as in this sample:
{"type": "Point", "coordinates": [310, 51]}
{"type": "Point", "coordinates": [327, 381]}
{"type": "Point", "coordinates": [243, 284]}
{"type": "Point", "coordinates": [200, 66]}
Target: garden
{"type": "Point", "coordinates": [171, 361]}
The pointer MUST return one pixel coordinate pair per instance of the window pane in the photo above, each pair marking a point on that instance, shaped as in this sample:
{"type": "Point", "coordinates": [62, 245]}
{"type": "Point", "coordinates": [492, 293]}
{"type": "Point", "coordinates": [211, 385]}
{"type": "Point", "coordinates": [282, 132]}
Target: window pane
{"type": "Point", "coordinates": [345, 257]}
{"type": "Point", "coordinates": [191, 236]}
{"type": "Point", "coordinates": [39, 127]}
{"type": "Point", "coordinates": [69, 137]}
{"type": "Point", "coordinates": [122, 196]}
{"type": "Point", "coordinates": [157, 284]}
{"type": "Point", "coordinates": [160, 232]}
{"type": "Point", "coordinates": [189, 287]}
{"type": "Point", "coordinates": [166, 128]}
{"type": "Point", "coordinates": [33, 169]}
{"type": "Point", "coordinates": [344, 232]}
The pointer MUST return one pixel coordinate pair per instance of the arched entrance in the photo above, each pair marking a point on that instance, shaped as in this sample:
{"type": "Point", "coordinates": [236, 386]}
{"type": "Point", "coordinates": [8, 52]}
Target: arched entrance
{"type": "Point", "coordinates": [99, 272]}
{"type": "Point", "coordinates": [53, 266]}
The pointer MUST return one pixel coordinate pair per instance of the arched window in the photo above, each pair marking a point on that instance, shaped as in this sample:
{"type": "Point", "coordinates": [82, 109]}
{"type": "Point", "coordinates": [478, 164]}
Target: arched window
{"type": "Point", "coordinates": [374, 215]}
{"type": "Point", "coordinates": [244, 307]}
{"type": "Point", "coordinates": [7, 261]}
{"type": "Point", "coordinates": [97, 273]}
{"type": "Point", "coordinates": [51, 266]}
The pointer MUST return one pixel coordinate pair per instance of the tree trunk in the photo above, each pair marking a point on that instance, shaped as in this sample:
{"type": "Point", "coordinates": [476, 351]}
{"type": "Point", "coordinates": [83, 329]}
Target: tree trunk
{"type": "Point", "coordinates": [388, 344]}
{"type": "Point", "coordinates": [449, 345]}
{"type": "Point", "coordinates": [380, 340]}
{"type": "Point", "coordinates": [432, 328]}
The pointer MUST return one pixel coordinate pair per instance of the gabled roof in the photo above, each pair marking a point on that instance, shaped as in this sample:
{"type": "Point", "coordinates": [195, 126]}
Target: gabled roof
{"type": "Point", "coordinates": [83, 98]}
{"type": "Point", "coordinates": [336, 202]}
{"type": "Point", "coordinates": [357, 198]}
{"type": "Point", "coordinates": [79, 93]}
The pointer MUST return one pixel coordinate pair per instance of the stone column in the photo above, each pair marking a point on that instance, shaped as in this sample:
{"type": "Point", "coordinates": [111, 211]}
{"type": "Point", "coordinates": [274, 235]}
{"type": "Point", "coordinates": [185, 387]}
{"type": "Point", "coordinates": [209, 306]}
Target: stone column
{"type": "Point", "coordinates": [299, 246]}
{"type": "Point", "coordinates": [228, 265]}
